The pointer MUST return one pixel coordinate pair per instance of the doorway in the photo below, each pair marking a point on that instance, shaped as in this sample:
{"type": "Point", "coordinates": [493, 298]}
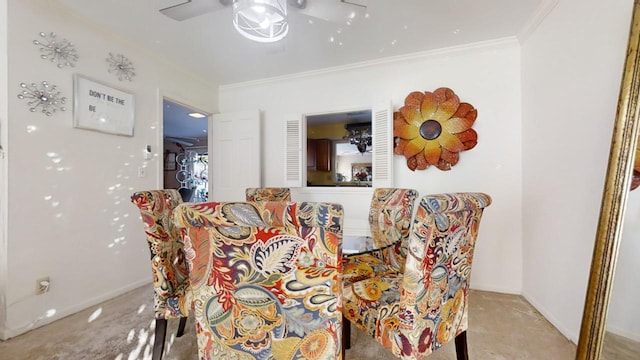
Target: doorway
{"type": "Point", "coordinates": [186, 150]}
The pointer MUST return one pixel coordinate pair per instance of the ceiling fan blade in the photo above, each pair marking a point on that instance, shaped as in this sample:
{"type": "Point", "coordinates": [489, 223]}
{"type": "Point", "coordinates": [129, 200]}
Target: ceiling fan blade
{"type": "Point", "coordinates": [192, 8]}
{"type": "Point", "coordinates": [336, 11]}
{"type": "Point", "coordinates": [182, 141]}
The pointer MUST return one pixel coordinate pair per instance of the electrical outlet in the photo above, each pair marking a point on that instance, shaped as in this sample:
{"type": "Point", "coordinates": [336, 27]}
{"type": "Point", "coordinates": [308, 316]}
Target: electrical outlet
{"type": "Point", "coordinates": [42, 285]}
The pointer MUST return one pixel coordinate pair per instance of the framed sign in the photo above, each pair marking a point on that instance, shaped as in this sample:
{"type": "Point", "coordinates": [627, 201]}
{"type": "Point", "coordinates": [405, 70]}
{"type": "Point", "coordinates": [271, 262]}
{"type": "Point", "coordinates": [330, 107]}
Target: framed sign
{"type": "Point", "coordinates": [100, 107]}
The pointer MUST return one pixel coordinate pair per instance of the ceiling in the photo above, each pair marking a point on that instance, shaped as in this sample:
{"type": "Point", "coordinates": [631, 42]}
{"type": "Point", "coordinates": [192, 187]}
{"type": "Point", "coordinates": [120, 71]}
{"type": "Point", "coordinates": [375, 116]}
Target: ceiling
{"type": "Point", "coordinates": [209, 46]}
{"type": "Point", "coordinates": [178, 124]}
{"type": "Point", "coordinates": [350, 117]}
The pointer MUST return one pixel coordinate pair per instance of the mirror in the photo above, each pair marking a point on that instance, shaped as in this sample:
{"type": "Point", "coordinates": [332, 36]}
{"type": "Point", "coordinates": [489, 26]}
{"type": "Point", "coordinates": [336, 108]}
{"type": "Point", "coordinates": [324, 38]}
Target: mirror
{"type": "Point", "coordinates": [614, 201]}
{"type": "Point", "coordinates": [339, 148]}
{"type": "Point", "coordinates": [622, 327]}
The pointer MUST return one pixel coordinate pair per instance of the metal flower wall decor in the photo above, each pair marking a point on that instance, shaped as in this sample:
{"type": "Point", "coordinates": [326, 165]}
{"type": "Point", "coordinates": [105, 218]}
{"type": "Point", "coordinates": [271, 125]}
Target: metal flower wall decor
{"type": "Point", "coordinates": [432, 128]}
{"type": "Point", "coordinates": [635, 178]}
{"type": "Point", "coordinates": [121, 66]}
{"type": "Point", "coordinates": [44, 98]}
{"type": "Point", "coordinates": [62, 52]}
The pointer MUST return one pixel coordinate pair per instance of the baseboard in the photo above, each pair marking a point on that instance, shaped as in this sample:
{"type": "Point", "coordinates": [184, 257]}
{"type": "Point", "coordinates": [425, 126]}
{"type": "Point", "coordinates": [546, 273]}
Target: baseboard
{"type": "Point", "coordinates": [573, 337]}
{"type": "Point", "coordinates": [623, 333]}
{"type": "Point", "coordinates": [6, 334]}
{"type": "Point", "coordinates": [493, 288]}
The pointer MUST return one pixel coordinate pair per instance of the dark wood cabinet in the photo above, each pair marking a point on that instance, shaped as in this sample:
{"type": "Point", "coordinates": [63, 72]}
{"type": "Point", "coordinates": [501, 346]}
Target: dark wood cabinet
{"type": "Point", "coordinates": [323, 155]}
{"type": "Point", "coordinates": [311, 154]}
{"type": "Point", "coordinates": [319, 154]}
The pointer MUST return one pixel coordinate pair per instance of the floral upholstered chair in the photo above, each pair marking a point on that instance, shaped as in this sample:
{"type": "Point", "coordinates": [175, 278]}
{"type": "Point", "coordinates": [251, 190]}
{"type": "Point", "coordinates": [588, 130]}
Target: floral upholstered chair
{"type": "Point", "coordinates": [389, 220]}
{"type": "Point", "coordinates": [414, 312]}
{"type": "Point", "coordinates": [168, 265]}
{"type": "Point", "coordinates": [265, 278]}
{"type": "Point", "coordinates": [268, 194]}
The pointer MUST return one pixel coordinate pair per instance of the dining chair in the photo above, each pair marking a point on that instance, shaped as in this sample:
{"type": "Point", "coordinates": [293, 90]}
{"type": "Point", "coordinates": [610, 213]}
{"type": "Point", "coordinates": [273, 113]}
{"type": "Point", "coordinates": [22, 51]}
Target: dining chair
{"type": "Point", "coordinates": [390, 215]}
{"type": "Point", "coordinates": [265, 278]}
{"type": "Point", "coordinates": [414, 312]}
{"type": "Point", "coordinates": [168, 265]}
{"type": "Point", "coordinates": [268, 194]}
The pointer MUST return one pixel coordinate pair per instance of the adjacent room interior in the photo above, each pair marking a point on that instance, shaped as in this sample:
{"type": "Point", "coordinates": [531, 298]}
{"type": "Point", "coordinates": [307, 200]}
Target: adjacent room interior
{"type": "Point", "coordinates": [543, 75]}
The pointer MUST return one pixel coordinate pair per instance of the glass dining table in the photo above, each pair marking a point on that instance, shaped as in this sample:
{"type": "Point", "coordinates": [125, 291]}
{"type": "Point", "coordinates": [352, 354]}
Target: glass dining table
{"type": "Point", "coordinates": [352, 244]}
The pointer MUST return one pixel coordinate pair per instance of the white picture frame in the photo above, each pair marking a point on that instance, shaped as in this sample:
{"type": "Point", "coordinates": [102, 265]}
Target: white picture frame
{"type": "Point", "coordinates": [101, 107]}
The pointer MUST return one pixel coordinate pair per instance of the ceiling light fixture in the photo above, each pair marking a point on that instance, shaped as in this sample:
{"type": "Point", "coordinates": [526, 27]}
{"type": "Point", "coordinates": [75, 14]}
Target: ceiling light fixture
{"type": "Point", "coordinates": [197, 115]}
{"type": "Point", "coordinates": [261, 20]}
{"type": "Point", "coordinates": [359, 135]}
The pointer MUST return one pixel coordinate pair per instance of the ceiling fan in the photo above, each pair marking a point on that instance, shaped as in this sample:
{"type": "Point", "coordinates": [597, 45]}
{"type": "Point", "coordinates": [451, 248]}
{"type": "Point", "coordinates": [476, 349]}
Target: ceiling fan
{"type": "Point", "coordinates": [328, 10]}
{"type": "Point", "coordinates": [182, 140]}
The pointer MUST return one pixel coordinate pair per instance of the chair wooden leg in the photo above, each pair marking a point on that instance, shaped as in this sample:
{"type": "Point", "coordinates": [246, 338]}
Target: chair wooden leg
{"type": "Point", "coordinates": [158, 344]}
{"type": "Point", "coordinates": [183, 322]}
{"type": "Point", "coordinates": [461, 346]}
{"type": "Point", "coordinates": [346, 335]}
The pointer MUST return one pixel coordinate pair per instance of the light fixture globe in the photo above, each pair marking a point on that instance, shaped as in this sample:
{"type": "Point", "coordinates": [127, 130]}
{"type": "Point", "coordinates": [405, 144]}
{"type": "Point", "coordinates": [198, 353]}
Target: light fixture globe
{"type": "Point", "coordinates": [359, 135]}
{"type": "Point", "coordinates": [362, 147]}
{"type": "Point", "coordinates": [261, 20]}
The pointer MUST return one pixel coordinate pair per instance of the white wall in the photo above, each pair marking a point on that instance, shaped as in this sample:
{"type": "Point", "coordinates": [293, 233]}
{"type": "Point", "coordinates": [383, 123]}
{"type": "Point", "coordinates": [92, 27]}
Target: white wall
{"type": "Point", "coordinates": [3, 163]}
{"type": "Point", "coordinates": [624, 314]}
{"type": "Point", "coordinates": [69, 214]}
{"type": "Point", "coordinates": [571, 71]}
{"type": "Point", "coordinates": [486, 75]}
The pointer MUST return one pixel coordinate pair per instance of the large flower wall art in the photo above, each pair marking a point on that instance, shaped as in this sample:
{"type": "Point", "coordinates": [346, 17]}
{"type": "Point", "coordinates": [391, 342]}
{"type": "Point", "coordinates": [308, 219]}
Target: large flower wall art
{"type": "Point", "coordinates": [432, 128]}
{"type": "Point", "coordinates": [635, 179]}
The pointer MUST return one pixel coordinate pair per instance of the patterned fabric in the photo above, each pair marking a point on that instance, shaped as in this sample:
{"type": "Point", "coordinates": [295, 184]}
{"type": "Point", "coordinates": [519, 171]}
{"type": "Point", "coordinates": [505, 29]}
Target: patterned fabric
{"type": "Point", "coordinates": [389, 219]}
{"type": "Point", "coordinates": [416, 312]}
{"type": "Point", "coordinates": [372, 263]}
{"type": "Point", "coordinates": [390, 215]}
{"type": "Point", "coordinates": [268, 194]}
{"type": "Point", "coordinates": [168, 265]}
{"type": "Point", "coordinates": [386, 292]}
{"type": "Point", "coordinates": [265, 278]}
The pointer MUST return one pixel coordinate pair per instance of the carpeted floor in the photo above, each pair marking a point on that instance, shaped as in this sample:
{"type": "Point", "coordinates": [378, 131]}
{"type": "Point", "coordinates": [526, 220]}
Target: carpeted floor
{"type": "Point", "coordinates": [501, 327]}
{"type": "Point", "coordinates": [616, 347]}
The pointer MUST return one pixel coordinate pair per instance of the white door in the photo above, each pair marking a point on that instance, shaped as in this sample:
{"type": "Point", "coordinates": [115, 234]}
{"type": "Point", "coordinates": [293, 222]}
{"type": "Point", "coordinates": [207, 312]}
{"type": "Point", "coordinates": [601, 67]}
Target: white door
{"type": "Point", "coordinates": [234, 154]}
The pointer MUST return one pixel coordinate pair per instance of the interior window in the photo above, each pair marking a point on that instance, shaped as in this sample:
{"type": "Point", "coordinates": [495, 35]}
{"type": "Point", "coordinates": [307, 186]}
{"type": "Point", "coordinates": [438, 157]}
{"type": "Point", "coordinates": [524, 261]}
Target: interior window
{"type": "Point", "coordinates": [339, 149]}
{"type": "Point", "coordinates": [301, 166]}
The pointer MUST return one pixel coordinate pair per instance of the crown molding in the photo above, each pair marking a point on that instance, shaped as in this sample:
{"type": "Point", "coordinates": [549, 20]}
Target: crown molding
{"type": "Point", "coordinates": [460, 49]}
{"type": "Point", "coordinates": [529, 27]}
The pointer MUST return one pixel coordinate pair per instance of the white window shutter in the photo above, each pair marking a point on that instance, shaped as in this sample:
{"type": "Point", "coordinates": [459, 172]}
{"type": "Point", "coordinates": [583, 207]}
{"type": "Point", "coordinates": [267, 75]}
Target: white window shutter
{"type": "Point", "coordinates": [293, 152]}
{"type": "Point", "coordinates": [382, 126]}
